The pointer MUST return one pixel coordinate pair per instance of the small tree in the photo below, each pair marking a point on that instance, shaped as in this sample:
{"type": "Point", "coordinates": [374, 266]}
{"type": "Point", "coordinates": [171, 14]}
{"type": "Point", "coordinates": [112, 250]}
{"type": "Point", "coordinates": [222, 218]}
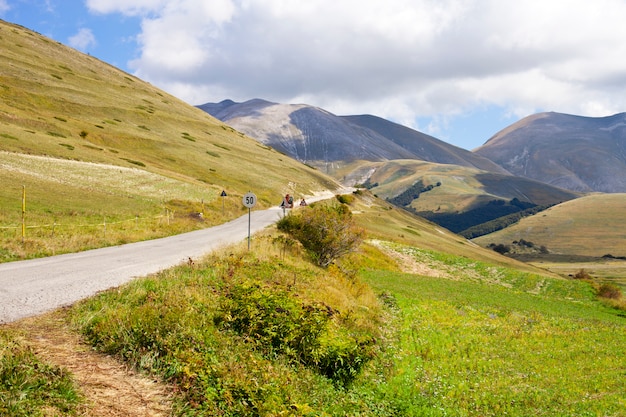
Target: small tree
{"type": "Point", "coordinates": [326, 232]}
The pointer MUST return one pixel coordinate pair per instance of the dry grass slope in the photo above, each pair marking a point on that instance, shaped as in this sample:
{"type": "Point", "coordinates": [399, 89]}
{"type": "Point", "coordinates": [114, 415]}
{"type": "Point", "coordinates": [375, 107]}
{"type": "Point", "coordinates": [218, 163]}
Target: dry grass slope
{"type": "Point", "coordinates": [89, 140]}
{"type": "Point", "coordinates": [588, 226]}
{"type": "Point", "coordinates": [462, 188]}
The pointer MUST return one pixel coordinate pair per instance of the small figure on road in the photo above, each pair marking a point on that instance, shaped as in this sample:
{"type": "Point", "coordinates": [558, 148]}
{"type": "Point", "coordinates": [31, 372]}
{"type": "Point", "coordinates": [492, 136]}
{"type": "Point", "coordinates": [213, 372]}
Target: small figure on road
{"type": "Point", "coordinates": [287, 202]}
{"type": "Point", "coordinates": [302, 202]}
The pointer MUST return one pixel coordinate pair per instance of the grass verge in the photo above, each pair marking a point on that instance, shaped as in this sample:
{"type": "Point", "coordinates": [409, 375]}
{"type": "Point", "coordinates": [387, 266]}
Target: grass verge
{"type": "Point", "coordinates": [30, 387]}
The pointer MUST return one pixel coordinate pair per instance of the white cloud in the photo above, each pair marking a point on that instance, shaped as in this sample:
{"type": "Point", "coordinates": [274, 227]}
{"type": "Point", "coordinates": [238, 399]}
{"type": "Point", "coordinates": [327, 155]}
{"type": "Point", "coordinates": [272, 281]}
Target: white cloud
{"type": "Point", "coordinates": [83, 39]}
{"type": "Point", "coordinates": [400, 59]}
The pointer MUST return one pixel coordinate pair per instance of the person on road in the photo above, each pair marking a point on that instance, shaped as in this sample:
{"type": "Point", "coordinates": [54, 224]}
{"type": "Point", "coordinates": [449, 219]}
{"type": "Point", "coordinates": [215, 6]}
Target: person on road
{"type": "Point", "coordinates": [287, 202]}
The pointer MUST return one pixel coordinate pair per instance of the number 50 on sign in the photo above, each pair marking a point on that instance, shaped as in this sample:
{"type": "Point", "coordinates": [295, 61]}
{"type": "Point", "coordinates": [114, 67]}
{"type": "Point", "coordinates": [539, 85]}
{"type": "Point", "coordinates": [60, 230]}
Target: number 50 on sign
{"type": "Point", "coordinates": [249, 200]}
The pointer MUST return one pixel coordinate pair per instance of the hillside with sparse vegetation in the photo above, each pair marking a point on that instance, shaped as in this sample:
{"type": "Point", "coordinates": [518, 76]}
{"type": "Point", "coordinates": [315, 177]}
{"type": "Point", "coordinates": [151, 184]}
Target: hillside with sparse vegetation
{"type": "Point", "coordinates": [98, 152]}
{"type": "Point", "coordinates": [581, 227]}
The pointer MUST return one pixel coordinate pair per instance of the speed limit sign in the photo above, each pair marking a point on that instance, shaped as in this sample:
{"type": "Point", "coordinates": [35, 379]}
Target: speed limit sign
{"type": "Point", "coordinates": [249, 200]}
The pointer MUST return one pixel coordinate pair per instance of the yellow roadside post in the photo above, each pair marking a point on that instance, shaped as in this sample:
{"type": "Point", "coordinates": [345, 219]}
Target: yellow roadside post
{"type": "Point", "coordinates": [23, 213]}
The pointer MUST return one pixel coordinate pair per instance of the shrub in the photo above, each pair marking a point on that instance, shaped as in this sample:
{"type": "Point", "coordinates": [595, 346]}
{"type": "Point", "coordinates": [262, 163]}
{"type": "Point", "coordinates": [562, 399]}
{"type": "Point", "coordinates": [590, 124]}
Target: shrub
{"type": "Point", "coordinates": [274, 321]}
{"type": "Point", "coordinates": [500, 248]}
{"type": "Point", "coordinates": [278, 324]}
{"type": "Point", "coordinates": [582, 274]}
{"type": "Point", "coordinates": [345, 198]}
{"type": "Point", "coordinates": [610, 291]}
{"type": "Point", "coordinates": [326, 232]}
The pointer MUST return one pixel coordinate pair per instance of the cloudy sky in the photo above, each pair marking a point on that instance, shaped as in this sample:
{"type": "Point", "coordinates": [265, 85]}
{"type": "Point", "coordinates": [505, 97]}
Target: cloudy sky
{"type": "Point", "coordinates": [459, 70]}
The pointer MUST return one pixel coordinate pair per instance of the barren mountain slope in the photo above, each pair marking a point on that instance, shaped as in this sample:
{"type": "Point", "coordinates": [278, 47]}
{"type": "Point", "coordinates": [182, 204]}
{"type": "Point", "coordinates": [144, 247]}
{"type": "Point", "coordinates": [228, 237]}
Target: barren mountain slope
{"type": "Point", "coordinates": [320, 138]}
{"type": "Point", "coordinates": [573, 152]}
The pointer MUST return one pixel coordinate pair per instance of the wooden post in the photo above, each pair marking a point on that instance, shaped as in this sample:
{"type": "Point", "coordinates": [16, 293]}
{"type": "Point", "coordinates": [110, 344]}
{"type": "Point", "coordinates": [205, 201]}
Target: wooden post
{"type": "Point", "coordinates": [23, 213]}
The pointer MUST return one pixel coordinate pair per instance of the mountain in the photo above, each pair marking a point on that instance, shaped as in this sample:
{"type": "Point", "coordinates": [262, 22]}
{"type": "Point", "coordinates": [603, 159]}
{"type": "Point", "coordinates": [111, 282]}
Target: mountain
{"type": "Point", "coordinates": [577, 153]}
{"type": "Point", "coordinates": [460, 188]}
{"type": "Point", "coordinates": [322, 139]}
{"type": "Point", "coordinates": [453, 196]}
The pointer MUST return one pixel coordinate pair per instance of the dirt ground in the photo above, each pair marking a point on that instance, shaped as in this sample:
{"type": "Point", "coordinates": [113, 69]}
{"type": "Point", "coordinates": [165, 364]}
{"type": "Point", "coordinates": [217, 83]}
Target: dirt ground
{"type": "Point", "coordinates": [111, 389]}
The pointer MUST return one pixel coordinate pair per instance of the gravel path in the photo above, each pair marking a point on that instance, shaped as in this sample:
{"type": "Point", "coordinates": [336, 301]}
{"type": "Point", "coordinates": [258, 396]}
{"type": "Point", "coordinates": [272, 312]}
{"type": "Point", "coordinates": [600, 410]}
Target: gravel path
{"type": "Point", "coordinates": [32, 287]}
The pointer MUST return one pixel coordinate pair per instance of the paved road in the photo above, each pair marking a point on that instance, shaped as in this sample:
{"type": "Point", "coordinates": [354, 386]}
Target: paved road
{"type": "Point", "coordinates": [32, 287]}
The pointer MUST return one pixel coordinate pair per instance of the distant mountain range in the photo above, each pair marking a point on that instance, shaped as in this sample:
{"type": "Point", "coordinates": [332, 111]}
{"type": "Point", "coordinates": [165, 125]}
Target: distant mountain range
{"type": "Point", "coordinates": [580, 154]}
{"type": "Point", "coordinates": [451, 186]}
{"type": "Point", "coordinates": [319, 138]}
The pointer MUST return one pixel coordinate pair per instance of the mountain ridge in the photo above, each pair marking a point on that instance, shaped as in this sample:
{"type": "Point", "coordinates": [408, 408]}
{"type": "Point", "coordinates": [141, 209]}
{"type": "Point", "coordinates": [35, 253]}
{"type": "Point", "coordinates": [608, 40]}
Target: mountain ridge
{"type": "Point", "coordinates": [577, 153]}
{"type": "Point", "coordinates": [317, 137]}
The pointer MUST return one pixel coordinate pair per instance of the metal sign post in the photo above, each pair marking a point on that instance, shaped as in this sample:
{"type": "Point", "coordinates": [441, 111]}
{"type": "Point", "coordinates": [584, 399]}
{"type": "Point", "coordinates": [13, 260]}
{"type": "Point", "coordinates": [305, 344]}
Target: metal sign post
{"type": "Point", "coordinates": [249, 200]}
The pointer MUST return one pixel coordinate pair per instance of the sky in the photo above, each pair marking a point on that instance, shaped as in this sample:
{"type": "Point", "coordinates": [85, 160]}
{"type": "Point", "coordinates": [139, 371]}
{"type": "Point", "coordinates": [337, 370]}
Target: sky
{"type": "Point", "coordinates": [459, 70]}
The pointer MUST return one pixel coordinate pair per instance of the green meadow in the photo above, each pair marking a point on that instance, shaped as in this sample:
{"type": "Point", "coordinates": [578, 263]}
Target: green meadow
{"type": "Point", "coordinates": [521, 345]}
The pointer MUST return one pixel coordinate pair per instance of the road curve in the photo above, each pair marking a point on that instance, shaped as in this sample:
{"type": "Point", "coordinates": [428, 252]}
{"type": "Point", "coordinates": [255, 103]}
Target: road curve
{"type": "Point", "coordinates": [32, 287]}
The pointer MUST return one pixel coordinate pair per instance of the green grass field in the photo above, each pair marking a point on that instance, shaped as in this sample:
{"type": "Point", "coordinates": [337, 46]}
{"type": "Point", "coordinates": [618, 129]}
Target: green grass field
{"type": "Point", "coordinates": [468, 350]}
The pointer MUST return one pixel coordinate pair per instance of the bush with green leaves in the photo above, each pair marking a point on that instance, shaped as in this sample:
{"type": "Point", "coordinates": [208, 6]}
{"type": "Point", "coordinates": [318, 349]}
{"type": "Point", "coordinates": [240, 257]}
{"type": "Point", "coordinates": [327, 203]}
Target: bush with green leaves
{"type": "Point", "coordinates": [345, 198]}
{"type": "Point", "coordinates": [278, 324]}
{"type": "Point", "coordinates": [327, 232]}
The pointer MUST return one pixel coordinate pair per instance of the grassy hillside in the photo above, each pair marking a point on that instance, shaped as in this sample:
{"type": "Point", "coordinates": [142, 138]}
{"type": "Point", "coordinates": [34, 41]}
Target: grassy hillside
{"type": "Point", "coordinates": [588, 226]}
{"type": "Point", "coordinates": [149, 153]}
{"type": "Point", "coordinates": [386, 222]}
{"type": "Point", "coordinates": [461, 189]}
